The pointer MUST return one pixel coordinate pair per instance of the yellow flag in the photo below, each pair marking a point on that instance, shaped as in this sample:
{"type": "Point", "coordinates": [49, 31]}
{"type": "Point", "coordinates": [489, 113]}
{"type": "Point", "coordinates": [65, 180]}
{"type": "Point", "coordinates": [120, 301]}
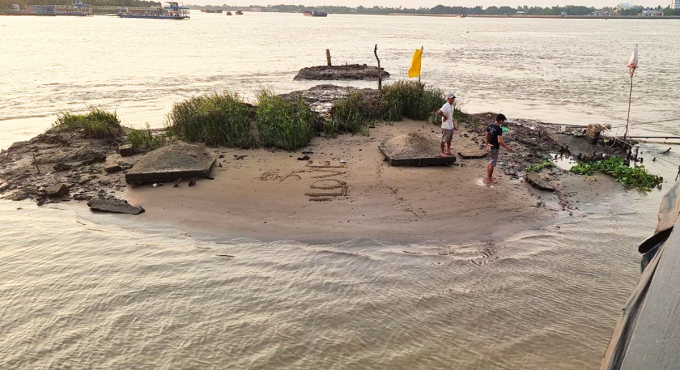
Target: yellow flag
{"type": "Point", "coordinates": [415, 65]}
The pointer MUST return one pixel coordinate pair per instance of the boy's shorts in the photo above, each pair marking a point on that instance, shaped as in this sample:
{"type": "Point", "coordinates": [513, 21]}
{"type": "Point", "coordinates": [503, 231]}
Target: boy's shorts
{"type": "Point", "coordinates": [493, 157]}
{"type": "Point", "coordinates": [447, 135]}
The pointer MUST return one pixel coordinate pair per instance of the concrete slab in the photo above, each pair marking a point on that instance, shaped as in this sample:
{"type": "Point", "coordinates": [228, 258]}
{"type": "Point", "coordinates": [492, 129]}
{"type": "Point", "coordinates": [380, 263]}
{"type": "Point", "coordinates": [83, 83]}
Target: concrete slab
{"type": "Point", "coordinates": [167, 164]}
{"type": "Point", "coordinates": [474, 153]}
{"type": "Point", "coordinates": [414, 150]}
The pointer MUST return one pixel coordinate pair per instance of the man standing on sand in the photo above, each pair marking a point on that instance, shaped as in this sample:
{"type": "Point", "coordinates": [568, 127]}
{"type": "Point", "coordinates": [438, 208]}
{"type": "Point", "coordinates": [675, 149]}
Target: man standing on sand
{"type": "Point", "coordinates": [494, 140]}
{"type": "Point", "coordinates": [448, 125]}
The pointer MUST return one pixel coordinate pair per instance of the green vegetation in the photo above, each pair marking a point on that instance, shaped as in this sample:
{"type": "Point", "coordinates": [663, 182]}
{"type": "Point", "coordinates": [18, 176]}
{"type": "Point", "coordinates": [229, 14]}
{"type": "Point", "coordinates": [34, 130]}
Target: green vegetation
{"type": "Point", "coordinates": [443, 9]}
{"type": "Point", "coordinates": [637, 176]}
{"type": "Point", "coordinates": [409, 99]}
{"type": "Point", "coordinates": [283, 124]}
{"type": "Point", "coordinates": [146, 138]}
{"type": "Point", "coordinates": [214, 119]}
{"type": "Point", "coordinates": [538, 167]}
{"type": "Point", "coordinates": [352, 114]}
{"type": "Point", "coordinates": [96, 124]}
{"type": "Point", "coordinates": [402, 99]}
{"type": "Point", "coordinates": [226, 120]}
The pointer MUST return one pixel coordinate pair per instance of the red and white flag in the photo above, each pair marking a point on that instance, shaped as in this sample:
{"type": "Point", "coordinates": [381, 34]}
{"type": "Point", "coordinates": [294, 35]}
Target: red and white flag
{"type": "Point", "coordinates": [633, 62]}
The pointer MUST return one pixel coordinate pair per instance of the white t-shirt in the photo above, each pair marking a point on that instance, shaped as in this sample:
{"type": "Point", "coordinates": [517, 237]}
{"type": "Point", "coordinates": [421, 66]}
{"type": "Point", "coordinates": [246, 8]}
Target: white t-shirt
{"type": "Point", "coordinates": [447, 109]}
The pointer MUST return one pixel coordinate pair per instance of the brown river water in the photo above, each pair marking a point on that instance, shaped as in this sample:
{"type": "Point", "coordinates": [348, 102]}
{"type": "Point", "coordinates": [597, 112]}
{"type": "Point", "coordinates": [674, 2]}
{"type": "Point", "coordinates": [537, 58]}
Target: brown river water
{"type": "Point", "coordinates": [80, 293]}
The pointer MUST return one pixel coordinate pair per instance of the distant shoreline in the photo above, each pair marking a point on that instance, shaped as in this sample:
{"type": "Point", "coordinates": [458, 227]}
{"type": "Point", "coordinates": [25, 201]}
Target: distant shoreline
{"type": "Point", "coordinates": [534, 16]}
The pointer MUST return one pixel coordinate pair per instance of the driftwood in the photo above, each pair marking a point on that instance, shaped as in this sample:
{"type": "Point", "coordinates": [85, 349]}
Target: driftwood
{"type": "Point", "coordinates": [375, 51]}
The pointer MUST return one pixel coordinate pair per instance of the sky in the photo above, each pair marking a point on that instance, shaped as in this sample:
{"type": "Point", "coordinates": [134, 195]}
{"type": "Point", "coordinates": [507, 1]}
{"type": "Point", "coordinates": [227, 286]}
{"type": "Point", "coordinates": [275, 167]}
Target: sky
{"type": "Point", "coordinates": [432, 3]}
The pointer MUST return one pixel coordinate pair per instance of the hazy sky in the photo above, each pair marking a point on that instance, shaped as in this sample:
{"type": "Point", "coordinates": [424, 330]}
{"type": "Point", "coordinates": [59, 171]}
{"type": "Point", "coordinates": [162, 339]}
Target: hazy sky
{"type": "Point", "coordinates": [431, 3]}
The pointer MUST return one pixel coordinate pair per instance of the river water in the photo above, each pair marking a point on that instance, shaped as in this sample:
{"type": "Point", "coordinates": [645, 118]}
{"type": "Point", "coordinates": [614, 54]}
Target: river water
{"type": "Point", "coordinates": [79, 293]}
{"type": "Point", "coordinates": [567, 71]}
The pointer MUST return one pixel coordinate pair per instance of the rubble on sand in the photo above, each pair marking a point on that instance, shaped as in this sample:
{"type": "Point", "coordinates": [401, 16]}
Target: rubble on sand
{"type": "Point", "coordinates": [342, 72]}
{"type": "Point", "coordinates": [114, 205]}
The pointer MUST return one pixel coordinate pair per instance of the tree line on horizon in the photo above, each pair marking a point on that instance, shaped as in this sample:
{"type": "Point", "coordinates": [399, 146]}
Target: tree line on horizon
{"type": "Point", "coordinates": [443, 9]}
{"type": "Point", "coordinates": [6, 4]}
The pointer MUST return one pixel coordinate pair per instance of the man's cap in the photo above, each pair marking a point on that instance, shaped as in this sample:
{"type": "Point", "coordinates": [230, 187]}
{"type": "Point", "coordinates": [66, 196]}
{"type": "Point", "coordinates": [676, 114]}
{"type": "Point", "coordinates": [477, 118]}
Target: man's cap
{"type": "Point", "coordinates": [450, 96]}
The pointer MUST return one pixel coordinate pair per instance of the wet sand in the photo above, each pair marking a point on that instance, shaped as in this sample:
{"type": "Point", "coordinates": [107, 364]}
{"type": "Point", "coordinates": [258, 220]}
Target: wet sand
{"type": "Point", "coordinates": [266, 195]}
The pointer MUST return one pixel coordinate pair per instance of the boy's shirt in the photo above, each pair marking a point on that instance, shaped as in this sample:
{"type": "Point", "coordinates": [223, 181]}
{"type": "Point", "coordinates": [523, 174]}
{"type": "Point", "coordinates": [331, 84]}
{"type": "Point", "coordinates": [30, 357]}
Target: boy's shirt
{"type": "Point", "coordinates": [493, 132]}
{"type": "Point", "coordinates": [447, 109]}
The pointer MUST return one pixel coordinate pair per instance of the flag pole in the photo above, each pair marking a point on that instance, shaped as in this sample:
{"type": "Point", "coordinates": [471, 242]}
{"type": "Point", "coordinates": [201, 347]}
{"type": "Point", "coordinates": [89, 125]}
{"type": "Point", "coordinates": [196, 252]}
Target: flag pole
{"type": "Point", "coordinates": [422, 48]}
{"type": "Point", "coordinates": [630, 99]}
{"type": "Point", "coordinates": [632, 66]}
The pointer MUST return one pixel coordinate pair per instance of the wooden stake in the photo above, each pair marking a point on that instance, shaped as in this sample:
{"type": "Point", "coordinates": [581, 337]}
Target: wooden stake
{"type": "Point", "coordinates": [379, 70]}
{"type": "Point", "coordinates": [35, 162]}
{"type": "Point", "coordinates": [328, 56]}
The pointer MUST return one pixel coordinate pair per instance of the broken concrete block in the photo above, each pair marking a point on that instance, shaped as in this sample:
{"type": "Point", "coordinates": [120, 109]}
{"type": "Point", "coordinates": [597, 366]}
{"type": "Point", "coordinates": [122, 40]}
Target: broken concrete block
{"type": "Point", "coordinates": [62, 167]}
{"type": "Point", "coordinates": [95, 158]}
{"type": "Point", "coordinates": [55, 191]}
{"type": "Point", "coordinates": [414, 149]}
{"type": "Point", "coordinates": [542, 181]}
{"type": "Point", "coordinates": [126, 150]}
{"type": "Point", "coordinates": [473, 154]}
{"type": "Point", "coordinates": [168, 163]}
{"type": "Point", "coordinates": [114, 206]}
{"type": "Point", "coordinates": [112, 167]}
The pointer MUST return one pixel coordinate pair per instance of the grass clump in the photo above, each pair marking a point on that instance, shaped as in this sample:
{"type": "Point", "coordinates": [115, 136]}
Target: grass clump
{"type": "Point", "coordinates": [96, 124]}
{"type": "Point", "coordinates": [146, 138]}
{"type": "Point", "coordinates": [637, 177]}
{"type": "Point", "coordinates": [284, 124]}
{"type": "Point", "coordinates": [409, 99]}
{"type": "Point", "coordinates": [538, 167]}
{"type": "Point", "coordinates": [214, 119]}
{"type": "Point", "coordinates": [352, 114]}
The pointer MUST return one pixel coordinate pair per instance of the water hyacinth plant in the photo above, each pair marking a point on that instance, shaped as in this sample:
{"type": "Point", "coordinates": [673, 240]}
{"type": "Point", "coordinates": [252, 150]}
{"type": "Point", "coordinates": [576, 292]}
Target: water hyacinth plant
{"type": "Point", "coordinates": [214, 119]}
{"type": "Point", "coordinates": [637, 176]}
{"type": "Point", "coordinates": [538, 167]}
{"type": "Point", "coordinates": [284, 124]}
{"type": "Point", "coordinates": [95, 124]}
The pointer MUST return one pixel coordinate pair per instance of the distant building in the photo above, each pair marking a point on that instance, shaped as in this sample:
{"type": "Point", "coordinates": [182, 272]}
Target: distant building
{"type": "Point", "coordinates": [675, 4]}
{"type": "Point", "coordinates": [599, 13]}
{"type": "Point", "coordinates": [625, 6]}
{"type": "Point", "coordinates": [652, 13]}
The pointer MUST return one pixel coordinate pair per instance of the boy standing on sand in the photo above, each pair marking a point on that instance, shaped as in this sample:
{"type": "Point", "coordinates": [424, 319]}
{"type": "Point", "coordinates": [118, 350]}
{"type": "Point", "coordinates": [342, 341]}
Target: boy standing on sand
{"type": "Point", "coordinates": [448, 125]}
{"type": "Point", "coordinates": [494, 140]}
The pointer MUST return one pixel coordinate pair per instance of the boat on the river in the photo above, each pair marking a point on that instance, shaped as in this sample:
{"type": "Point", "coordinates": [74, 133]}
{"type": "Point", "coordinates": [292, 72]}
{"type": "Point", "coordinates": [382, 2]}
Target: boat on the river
{"type": "Point", "coordinates": [315, 14]}
{"type": "Point", "coordinates": [228, 13]}
{"type": "Point", "coordinates": [238, 12]}
{"type": "Point", "coordinates": [172, 11]}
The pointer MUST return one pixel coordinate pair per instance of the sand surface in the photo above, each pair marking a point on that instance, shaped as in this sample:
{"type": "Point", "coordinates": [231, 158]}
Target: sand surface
{"type": "Point", "coordinates": [271, 195]}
